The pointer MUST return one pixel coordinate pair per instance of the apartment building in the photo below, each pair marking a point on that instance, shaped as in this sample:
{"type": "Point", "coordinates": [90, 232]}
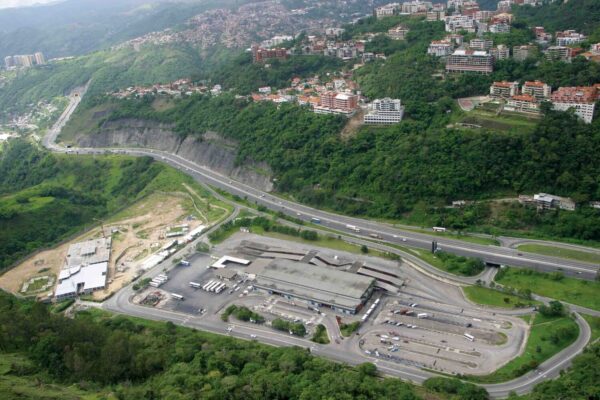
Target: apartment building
{"type": "Point", "coordinates": [470, 61]}
{"type": "Point", "coordinates": [559, 53]}
{"type": "Point", "coordinates": [504, 89]}
{"type": "Point", "coordinates": [522, 53]}
{"type": "Point", "coordinates": [260, 54]}
{"type": "Point", "coordinates": [386, 10]}
{"type": "Point", "coordinates": [457, 23]}
{"type": "Point", "coordinates": [523, 103]}
{"type": "Point", "coordinates": [384, 111]}
{"type": "Point", "coordinates": [440, 48]}
{"type": "Point", "coordinates": [337, 103]}
{"type": "Point", "coordinates": [398, 33]}
{"type": "Point", "coordinates": [500, 52]}
{"type": "Point", "coordinates": [481, 44]}
{"type": "Point", "coordinates": [569, 38]}
{"type": "Point", "coordinates": [435, 15]}
{"type": "Point", "coordinates": [582, 99]}
{"type": "Point", "coordinates": [539, 90]}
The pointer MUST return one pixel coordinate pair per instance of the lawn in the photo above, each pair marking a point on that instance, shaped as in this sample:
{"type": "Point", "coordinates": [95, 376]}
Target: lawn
{"type": "Point", "coordinates": [561, 252]}
{"type": "Point", "coordinates": [495, 298]}
{"type": "Point", "coordinates": [349, 329]}
{"type": "Point", "coordinates": [594, 323]}
{"type": "Point", "coordinates": [556, 286]}
{"type": "Point", "coordinates": [320, 335]}
{"type": "Point", "coordinates": [545, 340]}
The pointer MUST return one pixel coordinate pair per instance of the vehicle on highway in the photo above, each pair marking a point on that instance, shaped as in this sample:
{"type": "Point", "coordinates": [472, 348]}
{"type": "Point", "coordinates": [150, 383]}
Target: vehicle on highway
{"type": "Point", "coordinates": [315, 220]}
{"type": "Point", "coordinates": [375, 236]}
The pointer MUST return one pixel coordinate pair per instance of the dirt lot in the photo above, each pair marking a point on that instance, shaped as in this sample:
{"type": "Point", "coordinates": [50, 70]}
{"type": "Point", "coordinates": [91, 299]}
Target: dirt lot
{"type": "Point", "coordinates": [137, 232]}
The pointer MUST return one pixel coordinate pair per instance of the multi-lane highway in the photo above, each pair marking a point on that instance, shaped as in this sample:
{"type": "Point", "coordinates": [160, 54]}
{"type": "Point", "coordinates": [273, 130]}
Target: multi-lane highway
{"type": "Point", "coordinates": [386, 234]}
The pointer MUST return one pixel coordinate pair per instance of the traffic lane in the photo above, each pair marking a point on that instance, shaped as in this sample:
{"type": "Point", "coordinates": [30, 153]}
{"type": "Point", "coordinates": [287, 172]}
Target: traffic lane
{"type": "Point", "coordinates": [549, 369]}
{"type": "Point", "coordinates": [488, 253]}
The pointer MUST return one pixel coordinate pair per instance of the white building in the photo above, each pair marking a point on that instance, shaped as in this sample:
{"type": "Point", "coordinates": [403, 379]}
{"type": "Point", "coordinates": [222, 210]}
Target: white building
{"type": "Point", "coordinates": [384, 111]}
{"type": "Point", "coordinates": [569, 38]}
{"type": "Point", "coordinates": [581, 99]}
{"type": "Point", "coordinates": [457, 23]}
{"type": "Point", "coordinates": [79, 280]}
{"type": "Point", "coordinates": [440, 48]}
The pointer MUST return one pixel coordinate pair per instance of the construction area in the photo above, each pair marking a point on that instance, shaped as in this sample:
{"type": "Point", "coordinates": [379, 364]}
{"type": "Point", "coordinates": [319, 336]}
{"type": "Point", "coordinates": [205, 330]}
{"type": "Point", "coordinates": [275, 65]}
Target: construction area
{"type": "Point", "coordinates": [138, 235]}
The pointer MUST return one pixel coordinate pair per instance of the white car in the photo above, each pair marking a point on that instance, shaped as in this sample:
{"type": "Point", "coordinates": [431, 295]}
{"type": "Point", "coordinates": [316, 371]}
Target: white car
{"type": "Point", "coordinates": [253, 336]}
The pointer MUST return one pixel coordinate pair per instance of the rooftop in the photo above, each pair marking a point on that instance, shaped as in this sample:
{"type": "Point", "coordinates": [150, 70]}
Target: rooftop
{"type": "Point", "coordinates": [87, 278]}
{"type": "Point", "coordinates": [323, 284]}
{"type": "Point", "coordinates": [89, 252]}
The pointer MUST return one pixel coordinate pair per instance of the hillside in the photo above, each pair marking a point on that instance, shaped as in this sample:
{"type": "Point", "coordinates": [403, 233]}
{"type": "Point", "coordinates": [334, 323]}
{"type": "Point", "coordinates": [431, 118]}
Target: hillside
{"type": "Point", "coordinates": [77, 27]}
{"type": "Point", "coordinates": [45, 198]}
{"type": "Point", "coordinates": [136, 359]}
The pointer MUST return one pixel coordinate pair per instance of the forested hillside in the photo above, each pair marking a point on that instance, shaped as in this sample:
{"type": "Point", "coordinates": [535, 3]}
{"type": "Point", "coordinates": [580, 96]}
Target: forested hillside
{"type": "Point", "coordinates": [390, 172]}
{"type": "Point", "coordinates": [145, 360]}
{"type": "Point", "coordinates": [46, 197]}
{"type": "Point", "coordinates": [107, 71]}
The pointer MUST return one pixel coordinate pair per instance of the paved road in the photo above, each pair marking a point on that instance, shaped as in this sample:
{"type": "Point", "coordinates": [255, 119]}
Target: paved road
{"type": "Point", "coordinates": [121, 301]}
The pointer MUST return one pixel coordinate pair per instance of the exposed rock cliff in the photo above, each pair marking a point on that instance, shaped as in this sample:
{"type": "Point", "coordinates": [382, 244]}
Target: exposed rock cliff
{"type": "Point", "coordinates": [211, 150]}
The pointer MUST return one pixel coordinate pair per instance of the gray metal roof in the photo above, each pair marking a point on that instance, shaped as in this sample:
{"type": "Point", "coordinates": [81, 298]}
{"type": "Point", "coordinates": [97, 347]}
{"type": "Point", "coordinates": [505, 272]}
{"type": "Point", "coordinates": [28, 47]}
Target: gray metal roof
{"type": "Point", "coordinates": [321, 284]}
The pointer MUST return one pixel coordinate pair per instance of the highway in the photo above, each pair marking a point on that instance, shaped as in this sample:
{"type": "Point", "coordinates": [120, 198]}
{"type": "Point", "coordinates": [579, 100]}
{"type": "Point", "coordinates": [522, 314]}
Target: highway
{"type": "Point", "coordinates": [120, 302]}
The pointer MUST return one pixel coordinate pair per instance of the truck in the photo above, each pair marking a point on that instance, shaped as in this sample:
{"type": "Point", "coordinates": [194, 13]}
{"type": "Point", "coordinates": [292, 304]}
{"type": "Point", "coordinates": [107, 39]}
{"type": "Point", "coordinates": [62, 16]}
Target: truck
{"type": "Point", "coordinates": [439, 229]}
{"type": "Point", "coordinates": [351, 227]}
{"type": "Point", "coordinates": [375, 236]}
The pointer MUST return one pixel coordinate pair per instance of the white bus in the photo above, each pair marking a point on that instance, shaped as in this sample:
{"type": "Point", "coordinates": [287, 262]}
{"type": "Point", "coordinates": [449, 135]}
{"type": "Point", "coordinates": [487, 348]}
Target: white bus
{"type": "Point", "coordinates": [162, 276]}
{"type": "Point", "coordinates": [471, 338]}
{"type": "Point", "coordinates": [177, 296]}
{"type": "Point", "coordinates": [212, 287]}
{"type": "Point", "coordinates": [220, 288]}
{"type": "Point", "coordinates": [154, 284]}
{"type": "Point", "coordinates": [206, 285]}
{"type": "Point", "coordinates": [195, 285]}
{"type": "Point", "coordinates": [439, 229]}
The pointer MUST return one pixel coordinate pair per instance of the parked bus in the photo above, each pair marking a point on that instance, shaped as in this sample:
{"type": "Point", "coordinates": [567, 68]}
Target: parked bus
{"type": "Point", "coordinates": [471, 338]}
{"type": "Point", "coordinates": [212, 286]}
{"type": "Point", "coordinates": [220, 288]}
{"type": "Point", "coordinates": [206, 285]}
{"type": "Point", "coordinates": [177, 296]}
{"type": "Point", "coordinates": [195, 285]}
{"type": "Point", "coordinates": [154, 284]}
{"type": "Point", "coordinates": [439, 229]}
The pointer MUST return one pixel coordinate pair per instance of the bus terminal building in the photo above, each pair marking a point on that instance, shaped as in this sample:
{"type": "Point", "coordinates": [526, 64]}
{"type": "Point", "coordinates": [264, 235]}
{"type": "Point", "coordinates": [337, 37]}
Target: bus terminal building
{"type": "Point", "coordinates": [318, 286]}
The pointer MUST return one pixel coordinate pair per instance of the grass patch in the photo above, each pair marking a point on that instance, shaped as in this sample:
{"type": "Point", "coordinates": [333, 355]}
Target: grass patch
{"type": "Point", "coordinates": [320, 335]}
{"type": "Point", "coordinates": [456, 265]}
{"type": "Point", "coordinates": [561, 252]}
{"type": "Point", "coordinates": [349, 329]}
{"type": "Point", "coordinates": [594, 323]}
{"type": "Point", "coordinates": [554, 285]}
{"type": "Point", "coordinates": [496, 298]}
{"type": "Point", "coordinates": [548, 336]}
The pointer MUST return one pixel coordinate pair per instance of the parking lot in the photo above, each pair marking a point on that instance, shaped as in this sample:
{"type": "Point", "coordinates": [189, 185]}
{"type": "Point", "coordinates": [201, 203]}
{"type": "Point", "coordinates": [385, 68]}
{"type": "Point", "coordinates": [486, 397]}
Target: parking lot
{"type": "Point", "coordinates": [196, 300]}
{"type": "Point", "coordinates": [443, 337]}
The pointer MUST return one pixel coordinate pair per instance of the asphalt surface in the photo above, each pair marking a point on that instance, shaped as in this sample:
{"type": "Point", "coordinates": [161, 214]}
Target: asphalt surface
{"type": "Point", "coordinates": [120, 302]}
